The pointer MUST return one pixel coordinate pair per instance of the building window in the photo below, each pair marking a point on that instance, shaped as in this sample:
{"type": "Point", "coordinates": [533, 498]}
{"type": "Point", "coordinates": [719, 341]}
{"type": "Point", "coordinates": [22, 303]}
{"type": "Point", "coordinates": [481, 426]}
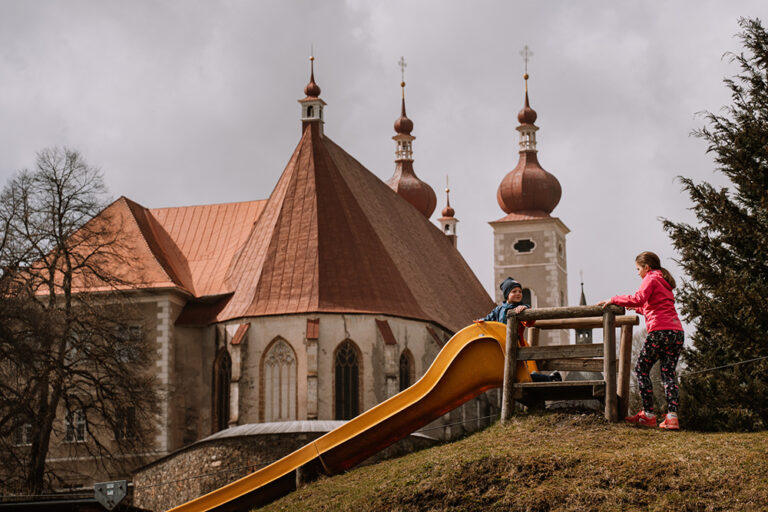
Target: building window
{"type": "Point", "coordinates": [22, 436]}
{"type": "Point", "coordinates": [279, 384]}
{"type": "Point", "coordinates": [406, 369]}
{"type": "Point", "coordinates": [128, 338]}
{"type": "Point", "coordinates": [310, 111]}
{"type": "Point", "coordinates": [222, 376]}
{"type": "Point", "coordinates": [524, 245]}
{"type": "Point", "coordinates": [75, 432]}
{"type": "Point", "coordinates": [347, 381]}
{"type": "Point", "coordinates": [125, 423]}
{"type": "Point", "coordinates": [527, 297]}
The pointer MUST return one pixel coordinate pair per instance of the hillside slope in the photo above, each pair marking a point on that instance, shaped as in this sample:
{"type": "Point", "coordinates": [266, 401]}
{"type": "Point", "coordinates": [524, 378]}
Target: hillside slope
{"type": "Point", "coordinates": [558, 462]}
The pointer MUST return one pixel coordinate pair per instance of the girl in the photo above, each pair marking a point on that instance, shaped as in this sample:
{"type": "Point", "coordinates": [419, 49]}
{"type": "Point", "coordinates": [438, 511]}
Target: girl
{"type": "Point", "coordinates": [664, 342]}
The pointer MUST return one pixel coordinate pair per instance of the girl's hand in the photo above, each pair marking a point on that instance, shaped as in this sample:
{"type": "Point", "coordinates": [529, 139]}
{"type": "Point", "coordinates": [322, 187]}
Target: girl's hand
{"type": "Point", "coordinates": [604, 302]}
{"type": "Point", "coordinates": [519, 309]}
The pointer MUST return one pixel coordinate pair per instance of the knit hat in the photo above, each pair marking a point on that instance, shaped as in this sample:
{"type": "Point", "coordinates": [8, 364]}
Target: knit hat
{"type": "Point", "coordinates": [507, 285]}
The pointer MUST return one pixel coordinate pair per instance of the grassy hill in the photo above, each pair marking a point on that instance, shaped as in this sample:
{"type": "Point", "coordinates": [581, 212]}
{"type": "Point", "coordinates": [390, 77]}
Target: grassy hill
{"type": "Point", "coordinates": [558, 462]}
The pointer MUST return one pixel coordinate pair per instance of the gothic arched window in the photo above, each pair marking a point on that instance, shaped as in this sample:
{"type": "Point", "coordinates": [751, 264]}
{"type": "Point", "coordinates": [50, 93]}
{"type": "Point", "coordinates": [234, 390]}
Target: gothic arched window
{"type": "Point", "coordinates": [279, 382]}
{"type": "Point", "coordinates": [222, 377]}
{"type": "Point", "coordinates": [406, 369]}
{"type": "Point", "coordinates": [347, 381]}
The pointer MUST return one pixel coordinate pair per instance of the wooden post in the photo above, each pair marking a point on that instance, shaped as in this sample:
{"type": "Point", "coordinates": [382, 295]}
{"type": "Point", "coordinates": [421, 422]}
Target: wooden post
{"type": "Point", "coordinates": [609, 366]}
{"type": "Point", "coordinates": [625, 356]}
{"type": "Point", "coordinates": [510, 369]}
{"type": "Point", "coordinates": [534, 341]}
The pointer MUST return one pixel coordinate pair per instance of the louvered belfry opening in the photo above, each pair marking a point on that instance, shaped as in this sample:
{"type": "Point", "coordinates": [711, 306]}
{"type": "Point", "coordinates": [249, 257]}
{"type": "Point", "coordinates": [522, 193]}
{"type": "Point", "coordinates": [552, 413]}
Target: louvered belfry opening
{"type": "Point", "coordinates": [222, 376]}
{"type": "Point", "coordinates": [347, 376]}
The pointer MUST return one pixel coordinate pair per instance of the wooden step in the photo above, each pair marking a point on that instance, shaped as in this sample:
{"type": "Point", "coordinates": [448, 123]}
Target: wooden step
{"type": "Point", "coordinates": [567, 390]}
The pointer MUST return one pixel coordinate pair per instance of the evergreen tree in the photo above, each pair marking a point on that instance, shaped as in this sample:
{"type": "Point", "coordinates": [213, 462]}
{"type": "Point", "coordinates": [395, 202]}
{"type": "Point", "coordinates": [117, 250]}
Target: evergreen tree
{"type": "Point", "coordinates": [725, 256]}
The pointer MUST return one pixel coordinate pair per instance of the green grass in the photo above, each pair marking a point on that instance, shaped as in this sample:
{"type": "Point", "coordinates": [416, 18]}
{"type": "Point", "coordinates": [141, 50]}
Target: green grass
{"type": "Point", "coordinates": [557, 462]}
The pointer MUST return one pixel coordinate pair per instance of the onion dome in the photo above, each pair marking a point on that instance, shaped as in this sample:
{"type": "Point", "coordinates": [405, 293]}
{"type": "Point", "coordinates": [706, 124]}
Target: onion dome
{"type": "Point", "coordinates": [528, 189]}
{"type": "Point", "coordinates": [403, 125]}
{"type": "Point", "coordinates": [312, 90]}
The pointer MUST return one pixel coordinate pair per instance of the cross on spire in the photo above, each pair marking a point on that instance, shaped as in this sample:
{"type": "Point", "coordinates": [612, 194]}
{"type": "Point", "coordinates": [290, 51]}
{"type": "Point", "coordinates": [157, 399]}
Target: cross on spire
{"type": "Point", "coordinates": [402, 65]}
{"type": "Point", "coordinates": [526, 53]}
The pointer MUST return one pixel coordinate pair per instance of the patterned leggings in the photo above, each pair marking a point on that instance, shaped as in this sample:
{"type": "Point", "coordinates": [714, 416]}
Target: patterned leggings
{"type": "Point", "coordinates": [664, 346]}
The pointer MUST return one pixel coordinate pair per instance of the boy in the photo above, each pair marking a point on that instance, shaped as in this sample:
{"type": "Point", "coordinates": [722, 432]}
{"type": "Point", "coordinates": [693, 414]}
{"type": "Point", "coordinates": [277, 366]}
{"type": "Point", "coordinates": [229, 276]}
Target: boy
{"type": "Point", "coordinates": [512, 292]}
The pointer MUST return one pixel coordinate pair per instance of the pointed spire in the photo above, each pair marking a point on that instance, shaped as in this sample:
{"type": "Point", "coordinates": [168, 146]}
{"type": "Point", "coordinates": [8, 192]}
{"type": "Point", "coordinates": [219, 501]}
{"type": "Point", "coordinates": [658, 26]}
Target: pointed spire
{"type": "Point", "coordinates": [448, 211]}
{"type": "Point", "coordinates": [312, 105]}
{"type": "Point", "coordinates": [312, 90]}
{"type": "Point", "coordinates": [448, 221]}
{"type": "Point", "coordinates": [528, 189]}
{"type": "Point", "coordinates": [403, 125]}
{"type": "Point", "coordinates": [404, 181]}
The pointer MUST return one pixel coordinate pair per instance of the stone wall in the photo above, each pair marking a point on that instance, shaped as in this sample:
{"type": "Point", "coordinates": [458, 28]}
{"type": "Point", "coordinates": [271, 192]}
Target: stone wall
{"type": "Point", "coordinates": [205, 466]}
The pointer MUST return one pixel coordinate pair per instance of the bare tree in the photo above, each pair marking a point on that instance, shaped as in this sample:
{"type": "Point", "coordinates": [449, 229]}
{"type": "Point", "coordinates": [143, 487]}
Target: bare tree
{"type": "Point", "coordinates": [72, 360]}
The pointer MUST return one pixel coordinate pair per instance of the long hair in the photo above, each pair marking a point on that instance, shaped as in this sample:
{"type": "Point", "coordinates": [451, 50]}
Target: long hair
{"type": "Point", "coordinates": [654, 263]}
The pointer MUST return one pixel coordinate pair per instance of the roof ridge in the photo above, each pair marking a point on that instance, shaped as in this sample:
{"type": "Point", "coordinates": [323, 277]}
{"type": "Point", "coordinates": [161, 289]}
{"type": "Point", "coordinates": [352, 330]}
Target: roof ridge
{"type": "Point", "coordinates": [150, 238]}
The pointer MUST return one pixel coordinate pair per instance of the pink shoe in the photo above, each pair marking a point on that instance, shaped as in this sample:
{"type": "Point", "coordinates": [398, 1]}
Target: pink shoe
{"type": "Point", "coordinates": [670, 423]}
{"type": "Point", "coordinates": [641, 419]}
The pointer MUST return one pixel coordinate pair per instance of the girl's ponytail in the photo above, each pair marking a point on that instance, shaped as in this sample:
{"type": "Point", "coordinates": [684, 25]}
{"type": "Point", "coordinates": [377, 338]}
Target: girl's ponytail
{"type": "Point", "coordinates": [654, 263]}
{"type": "Point", "coordinates": [668, 277]}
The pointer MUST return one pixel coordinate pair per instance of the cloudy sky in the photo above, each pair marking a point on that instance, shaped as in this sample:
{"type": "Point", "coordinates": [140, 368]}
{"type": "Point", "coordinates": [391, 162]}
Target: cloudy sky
{"type": "Point", "coordinates": [193, 102]}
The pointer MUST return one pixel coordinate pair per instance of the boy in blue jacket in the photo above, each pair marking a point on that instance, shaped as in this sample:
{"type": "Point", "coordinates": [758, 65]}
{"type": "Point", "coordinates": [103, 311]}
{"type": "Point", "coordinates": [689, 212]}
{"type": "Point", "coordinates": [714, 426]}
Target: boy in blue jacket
{"type": "Point", "coordinates": [512, 292]}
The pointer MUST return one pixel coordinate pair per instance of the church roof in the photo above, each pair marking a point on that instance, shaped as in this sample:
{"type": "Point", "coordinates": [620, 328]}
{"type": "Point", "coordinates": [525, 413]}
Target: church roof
{"type": "Point", "coordinates": [332, 237]}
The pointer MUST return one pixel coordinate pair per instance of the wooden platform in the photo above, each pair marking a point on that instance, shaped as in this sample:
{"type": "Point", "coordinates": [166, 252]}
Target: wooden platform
{"type": "Point", "coordinates": [531, 392]}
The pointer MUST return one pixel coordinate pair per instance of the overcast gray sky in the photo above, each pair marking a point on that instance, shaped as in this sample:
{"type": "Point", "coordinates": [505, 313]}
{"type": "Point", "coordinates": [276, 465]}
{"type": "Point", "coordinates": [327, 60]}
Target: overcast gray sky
{"type": "Point", "coordinates": [192, 102]}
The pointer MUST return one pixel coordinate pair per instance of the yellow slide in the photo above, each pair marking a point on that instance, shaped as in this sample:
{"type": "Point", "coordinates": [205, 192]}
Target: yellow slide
{"type": "Point", "coordinates": [470, 363]}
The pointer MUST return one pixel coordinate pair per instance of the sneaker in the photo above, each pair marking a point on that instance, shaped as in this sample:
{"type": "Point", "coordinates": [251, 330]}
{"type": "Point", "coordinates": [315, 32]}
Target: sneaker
{"type": "Point", "coordinates": [556, 377]}
{"type": "Point", "coordinates": [670, 423]}
{"type": "Point", "coordinates": [641, 419]}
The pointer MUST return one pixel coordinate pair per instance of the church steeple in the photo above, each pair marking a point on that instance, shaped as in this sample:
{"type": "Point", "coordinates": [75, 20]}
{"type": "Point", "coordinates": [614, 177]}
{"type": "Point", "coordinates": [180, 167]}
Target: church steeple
{"type": "Point", "coordinates": [528, 189]}
{"type": "Point", "coordinates": [404, 180]}
{"type": "Point", "coordinates": [583, 335]}
{"type": "Point", "coordinates": [448, 221]}
{"type": "Point", "coordinates": [312, 105]}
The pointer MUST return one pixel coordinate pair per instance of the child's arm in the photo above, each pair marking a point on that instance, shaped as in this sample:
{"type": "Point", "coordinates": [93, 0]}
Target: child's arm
{"type": "Point", "coordinates": [638, 299]}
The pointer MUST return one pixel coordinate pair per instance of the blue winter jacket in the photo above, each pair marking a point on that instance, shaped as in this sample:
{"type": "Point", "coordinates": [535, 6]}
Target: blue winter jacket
{"type": "Point", "coordinates": [499, 313]}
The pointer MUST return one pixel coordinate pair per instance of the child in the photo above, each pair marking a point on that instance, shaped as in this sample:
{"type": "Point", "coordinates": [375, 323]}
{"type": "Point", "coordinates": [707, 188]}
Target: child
{"type": "Point", "coordinates": [512, 291]}
{"type": "Point", "coordinates": [664, 342]}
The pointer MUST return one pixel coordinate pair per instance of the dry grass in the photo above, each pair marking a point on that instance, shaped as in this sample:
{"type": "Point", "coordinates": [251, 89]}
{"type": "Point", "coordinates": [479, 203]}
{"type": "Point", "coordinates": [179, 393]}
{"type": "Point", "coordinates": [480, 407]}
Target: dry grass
{"type": "Point", "coordinates": [558, 462]}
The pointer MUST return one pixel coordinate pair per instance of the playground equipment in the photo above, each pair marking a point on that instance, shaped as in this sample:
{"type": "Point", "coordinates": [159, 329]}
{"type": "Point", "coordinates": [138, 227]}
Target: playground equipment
{"type": "Point", "coordinates": [477, 358]}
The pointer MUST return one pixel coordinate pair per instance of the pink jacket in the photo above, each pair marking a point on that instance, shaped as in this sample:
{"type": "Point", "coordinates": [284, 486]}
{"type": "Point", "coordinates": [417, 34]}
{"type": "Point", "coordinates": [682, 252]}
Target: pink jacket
{"type": "Point", "coordinates": [655, 301]}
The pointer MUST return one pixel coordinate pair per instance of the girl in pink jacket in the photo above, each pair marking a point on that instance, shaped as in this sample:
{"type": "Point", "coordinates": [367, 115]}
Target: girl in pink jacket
{"type": "Point", "coordinates": [664, 342]}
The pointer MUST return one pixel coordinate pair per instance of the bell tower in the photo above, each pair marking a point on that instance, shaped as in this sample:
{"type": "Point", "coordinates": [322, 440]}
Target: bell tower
{"type": "Point", "coordinates": [528, 243]}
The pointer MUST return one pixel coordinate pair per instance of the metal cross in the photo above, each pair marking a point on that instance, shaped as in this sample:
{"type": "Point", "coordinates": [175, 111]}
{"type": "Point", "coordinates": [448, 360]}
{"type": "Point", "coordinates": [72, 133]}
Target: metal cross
{"type": "Point", "coordinates": [526, 54]}
{"type": "Point", "coordinates": [402, 65]}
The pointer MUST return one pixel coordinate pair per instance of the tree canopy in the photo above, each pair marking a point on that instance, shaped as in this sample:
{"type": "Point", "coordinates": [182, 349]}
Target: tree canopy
{"type": "Point", "coordinates": [725, 255]}
{"type": "Point", "coordinates": [72, 365]}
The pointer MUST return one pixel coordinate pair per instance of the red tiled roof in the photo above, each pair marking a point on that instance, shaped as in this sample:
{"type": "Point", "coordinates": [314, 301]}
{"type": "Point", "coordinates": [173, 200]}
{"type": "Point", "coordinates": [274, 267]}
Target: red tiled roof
{"type": "Point", "coordinates": [386, 332]}
{"type": "Point", "coordinates": [334, 238]}
{"type": "Point", "coordinates": [208, 237]}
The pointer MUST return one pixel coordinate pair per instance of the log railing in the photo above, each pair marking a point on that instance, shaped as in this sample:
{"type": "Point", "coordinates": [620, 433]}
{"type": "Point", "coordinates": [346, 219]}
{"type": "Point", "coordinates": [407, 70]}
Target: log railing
{"type": "Point", "coordinates": [573, 357]}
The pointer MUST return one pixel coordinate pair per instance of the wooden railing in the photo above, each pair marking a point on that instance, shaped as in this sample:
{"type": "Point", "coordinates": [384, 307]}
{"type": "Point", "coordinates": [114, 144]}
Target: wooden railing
{"type": "Point", "coordinates": [595, 357]}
